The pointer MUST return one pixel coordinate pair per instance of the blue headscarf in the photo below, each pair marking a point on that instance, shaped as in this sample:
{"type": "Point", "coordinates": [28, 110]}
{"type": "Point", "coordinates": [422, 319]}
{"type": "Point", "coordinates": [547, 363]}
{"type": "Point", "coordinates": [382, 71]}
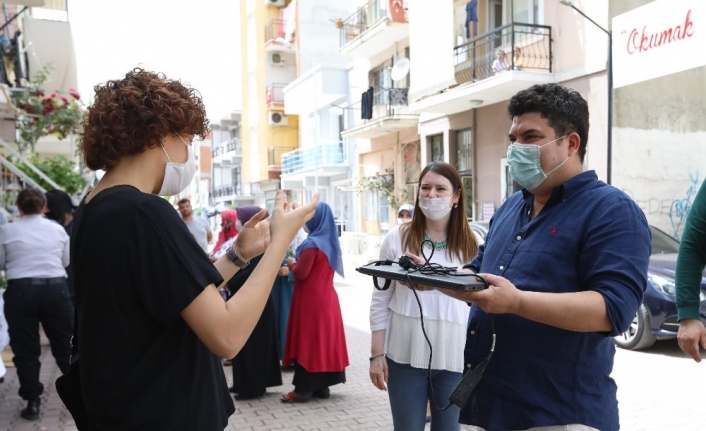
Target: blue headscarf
{"type": "Point", "coordinates": [323, 235]}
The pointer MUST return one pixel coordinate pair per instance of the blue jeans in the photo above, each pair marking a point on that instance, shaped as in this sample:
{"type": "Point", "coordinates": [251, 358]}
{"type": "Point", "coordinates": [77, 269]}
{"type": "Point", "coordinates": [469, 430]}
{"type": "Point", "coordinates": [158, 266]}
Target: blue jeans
{"type": "Point", "coordinates": [409, 391]}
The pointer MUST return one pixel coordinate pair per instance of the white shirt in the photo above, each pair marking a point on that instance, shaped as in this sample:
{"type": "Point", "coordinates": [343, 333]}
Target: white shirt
{"type": "Point", "coordinates": [396, 310]}
{"type": "Point", "coordinates": [33, 247]}
{"type": "Point", "coordinates": [199, 228]}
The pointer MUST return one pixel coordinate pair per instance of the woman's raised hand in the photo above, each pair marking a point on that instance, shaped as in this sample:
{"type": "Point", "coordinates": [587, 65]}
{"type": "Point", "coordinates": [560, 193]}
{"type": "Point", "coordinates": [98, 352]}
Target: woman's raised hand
{"type": "Point", "coordinates": [288, 218]}
{"type": "Point", "coordinates": [253, 238]}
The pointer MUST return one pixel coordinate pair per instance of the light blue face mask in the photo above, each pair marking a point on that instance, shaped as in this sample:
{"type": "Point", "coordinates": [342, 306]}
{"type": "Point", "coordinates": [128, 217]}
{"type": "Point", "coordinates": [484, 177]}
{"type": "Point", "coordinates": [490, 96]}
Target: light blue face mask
{"type": "Point", "coordinates": [525, 167]}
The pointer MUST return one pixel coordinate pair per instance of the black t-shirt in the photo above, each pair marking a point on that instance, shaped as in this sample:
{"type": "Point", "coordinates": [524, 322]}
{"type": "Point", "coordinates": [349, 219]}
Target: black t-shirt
{"type": "Point", "coordinates": [136, 267]}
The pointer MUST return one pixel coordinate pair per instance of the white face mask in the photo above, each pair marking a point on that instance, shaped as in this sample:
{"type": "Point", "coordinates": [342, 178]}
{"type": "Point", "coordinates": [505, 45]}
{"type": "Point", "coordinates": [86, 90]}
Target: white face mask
{"type": "Point", "coordinates": [435, 208]}
{"type": "Point", "coordinates": [177, 176]}
{"type": "Point", "coordinates": [403, 220]}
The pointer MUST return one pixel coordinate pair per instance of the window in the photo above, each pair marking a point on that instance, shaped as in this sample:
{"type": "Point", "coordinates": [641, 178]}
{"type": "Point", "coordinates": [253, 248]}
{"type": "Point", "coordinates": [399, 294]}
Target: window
{"type": "Point", "coordinates": [464, 151]}
{"type": "Point", "coordinates": [525, 11]}
{"type": "Point", "coordinates": [370, 197]}
{"type": "Point", "coordinates": [436, 143]}
{"type": "Point", "coordinates": [384, 209]}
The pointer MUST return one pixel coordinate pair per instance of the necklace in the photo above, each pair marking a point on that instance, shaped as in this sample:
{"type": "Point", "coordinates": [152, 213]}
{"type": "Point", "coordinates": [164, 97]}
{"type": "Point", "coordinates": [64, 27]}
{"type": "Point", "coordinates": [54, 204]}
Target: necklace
{"type": "Point", "coordinates": [438, 245]}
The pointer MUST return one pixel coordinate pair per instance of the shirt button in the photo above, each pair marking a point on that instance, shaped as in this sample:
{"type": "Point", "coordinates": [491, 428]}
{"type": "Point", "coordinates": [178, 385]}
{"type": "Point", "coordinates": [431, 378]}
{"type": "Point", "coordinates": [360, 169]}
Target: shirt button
{"type": "Point", "coordinates": [501, 267]}
{"type": "Point", "coordinates": [468, 365]}
{"type": "Point", "coordinates": [473, 332]}
{"type": "Point", "coordinates": [519, 237]}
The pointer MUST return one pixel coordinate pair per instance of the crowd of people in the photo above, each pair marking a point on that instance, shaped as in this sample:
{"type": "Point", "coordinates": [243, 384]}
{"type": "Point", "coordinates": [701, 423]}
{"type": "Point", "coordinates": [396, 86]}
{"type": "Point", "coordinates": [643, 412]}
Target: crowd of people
{"type": "Point", "coordinates": [154, 309]}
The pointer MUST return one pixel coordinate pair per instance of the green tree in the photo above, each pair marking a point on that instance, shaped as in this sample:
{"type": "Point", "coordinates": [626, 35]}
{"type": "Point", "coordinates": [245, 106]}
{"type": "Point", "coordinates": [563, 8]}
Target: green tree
{"type": "Point", "coordinates": [58, 168]}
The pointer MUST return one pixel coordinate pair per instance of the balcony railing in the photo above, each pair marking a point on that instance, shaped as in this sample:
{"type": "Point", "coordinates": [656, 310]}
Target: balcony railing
{"type": "Point", "coordinates": [237, 189]}
{"type": "Point", "coordinates": [274, 94]}
{"type": "Point", "coordinates": [303, 159]}
{"type": "Point", "coordinates": [391, 97]}
{"type": "Point", "coordinates": [226, 147]}
{"type": "Point", "coordinates": [524, 47]}
{"type": "Point", "coordinates": [364, 18]}
{"type": "Point", "coordinates": [274, 29]}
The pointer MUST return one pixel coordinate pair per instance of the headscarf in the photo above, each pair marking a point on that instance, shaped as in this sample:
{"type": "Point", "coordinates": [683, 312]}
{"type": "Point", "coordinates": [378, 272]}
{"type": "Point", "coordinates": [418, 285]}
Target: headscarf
{"type": "Point", "coordinates": [247, 212]}
{"type": "Point", "coordinates": [226, 233]}
{"type": "Point", "coordinates": [323, 235]}
{"type": "Point", "coordinates": [406, 207]}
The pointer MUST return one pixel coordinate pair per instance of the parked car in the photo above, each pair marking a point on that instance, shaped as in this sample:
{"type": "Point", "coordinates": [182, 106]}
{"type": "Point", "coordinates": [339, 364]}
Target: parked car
{"type": "Point", "coordinates": [480, 228]}
{"type": "Point", "coordinates": [656, 319]}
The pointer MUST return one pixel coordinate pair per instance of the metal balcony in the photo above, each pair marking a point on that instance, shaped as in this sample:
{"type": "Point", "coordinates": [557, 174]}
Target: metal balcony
{"type": "Point", "coordinates": [525, 47]}
{"type": "Point", "coordinates": [273, 30]}
{"type": "Point", "coordinates": [389, 114]}
{"type": "Point", "coordinates": [274, 95]}
{"type": "Point", "coordinates": [228, 152]}
{"type": "Point", "coordinates": [373, 28]}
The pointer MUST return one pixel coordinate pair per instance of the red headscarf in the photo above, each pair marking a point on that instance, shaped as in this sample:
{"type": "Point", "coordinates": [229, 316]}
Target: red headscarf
{"type": "Point", "coordinates": [228, 230]}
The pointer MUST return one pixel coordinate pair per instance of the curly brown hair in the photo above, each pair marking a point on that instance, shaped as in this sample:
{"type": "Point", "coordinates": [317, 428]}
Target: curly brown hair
{"type": "Point", "coordinates": [135, 113]}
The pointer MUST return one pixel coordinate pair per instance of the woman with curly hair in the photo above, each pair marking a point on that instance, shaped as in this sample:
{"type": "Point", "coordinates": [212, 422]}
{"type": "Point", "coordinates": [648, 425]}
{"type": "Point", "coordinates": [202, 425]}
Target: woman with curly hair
{"type": "Point", "coordinates": [152, 326]}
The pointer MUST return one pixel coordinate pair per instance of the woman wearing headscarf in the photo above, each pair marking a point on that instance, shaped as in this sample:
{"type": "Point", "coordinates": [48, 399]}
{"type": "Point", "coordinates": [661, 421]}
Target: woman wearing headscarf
{"type": "Point", "coordinates": [256, 367]}
{"type": "Point", "coordinates": [227, 235]}
{"type": "Point", "coordinates": [405, 213]}
{"type": "Point", "coordinates": [282, 293]}
{"type": "Point", "coordinates": [316, 342]}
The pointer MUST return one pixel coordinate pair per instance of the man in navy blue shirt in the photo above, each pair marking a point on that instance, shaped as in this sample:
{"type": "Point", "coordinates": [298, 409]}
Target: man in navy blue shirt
{"type": "Point", "coordinates": [566, 259]}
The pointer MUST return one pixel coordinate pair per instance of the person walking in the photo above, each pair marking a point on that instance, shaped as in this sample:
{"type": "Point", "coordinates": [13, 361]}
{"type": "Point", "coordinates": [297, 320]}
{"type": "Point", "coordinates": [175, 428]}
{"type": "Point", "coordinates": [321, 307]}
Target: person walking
{"type": "Point", "coordinates": [34, 252]}
{"type": "Point", "coordinates": [152, 325]}
{"type": "Point", "coordinates": [256, 366]}
{"type": "Point", "coordinates": [316, 341]}
{"type": "Point", "coordinates": [399, 349]}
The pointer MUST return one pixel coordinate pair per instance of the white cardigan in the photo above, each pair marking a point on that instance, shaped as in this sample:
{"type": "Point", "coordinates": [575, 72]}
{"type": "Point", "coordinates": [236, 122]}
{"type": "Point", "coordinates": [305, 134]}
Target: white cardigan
{"type": "Point", "coordinates": [397, 311]}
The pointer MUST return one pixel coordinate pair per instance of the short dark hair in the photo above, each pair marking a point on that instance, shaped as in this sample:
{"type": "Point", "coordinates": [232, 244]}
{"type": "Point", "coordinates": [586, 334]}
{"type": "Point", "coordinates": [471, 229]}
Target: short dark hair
{"type": "Point", "coordinates": [565, 110]}
{"type": "Point", "coordinates": [31, 201]}
{"type": "Point", "coordinates": [183, 201]}
{"type": "Point", "coordinates": [135, 113]}
{"type": "Point", "coordinates": [59, 204]}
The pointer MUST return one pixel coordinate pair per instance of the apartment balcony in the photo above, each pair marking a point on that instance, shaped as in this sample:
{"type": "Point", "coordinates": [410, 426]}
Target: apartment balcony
{"type": "Point", "coordinates": [389, 115]}
{"type": "Point", "coordinates": [306, 166]}
{"type": "Point", "coordinates": [274, 95]}
{"type": "Point", "coordinates": [229, 152]}
{"type": "Point", "coordinates": [373, 28]}
{"type": "Point", "coordinates": [275, 29]}
{"type": "Point", "coordinates": [274, 161]}
{"type": "Point", "coordinates": [234, 192]}
{"type": "Point", "coordinates": [484, 77]}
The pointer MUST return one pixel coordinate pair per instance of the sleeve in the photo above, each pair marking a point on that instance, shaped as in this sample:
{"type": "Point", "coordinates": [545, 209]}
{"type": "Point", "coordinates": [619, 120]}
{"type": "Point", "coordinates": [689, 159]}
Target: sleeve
{"type": "Point", "coordinates": [168, 267]}
{"type": "Point", "coordinates": [614, 259]}
{"type": "Point", "coordinates": [2, 248]}
{"type": "Point", "coordinates": [380, 301]}
{"type": "Point", "coordinates": [302, 267]}
{"type": "Point", "coordinates": [692, 259]}
{"type": "Point", "coordinates": [65, 261]}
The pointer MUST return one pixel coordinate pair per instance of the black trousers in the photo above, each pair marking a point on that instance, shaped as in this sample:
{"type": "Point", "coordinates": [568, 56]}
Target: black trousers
{"type": "Point", "coordinates": [26, 306]}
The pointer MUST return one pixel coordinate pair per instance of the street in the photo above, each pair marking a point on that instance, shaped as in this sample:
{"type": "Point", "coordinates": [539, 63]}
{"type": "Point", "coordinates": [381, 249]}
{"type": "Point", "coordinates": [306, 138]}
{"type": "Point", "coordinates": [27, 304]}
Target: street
{"type": "Point", "coordinates": [659, 389]}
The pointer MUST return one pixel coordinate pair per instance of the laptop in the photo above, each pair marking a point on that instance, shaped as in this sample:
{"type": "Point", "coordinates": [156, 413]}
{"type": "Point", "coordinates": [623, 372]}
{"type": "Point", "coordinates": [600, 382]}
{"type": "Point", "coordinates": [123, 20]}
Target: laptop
{"type": "Point", "coordinates": [454, 280]}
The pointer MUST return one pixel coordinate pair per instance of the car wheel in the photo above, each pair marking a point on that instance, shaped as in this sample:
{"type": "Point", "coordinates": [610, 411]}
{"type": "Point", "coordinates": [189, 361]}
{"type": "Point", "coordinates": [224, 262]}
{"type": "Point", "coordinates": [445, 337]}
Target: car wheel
{"type": "Point", "coordinates": [639, 335]}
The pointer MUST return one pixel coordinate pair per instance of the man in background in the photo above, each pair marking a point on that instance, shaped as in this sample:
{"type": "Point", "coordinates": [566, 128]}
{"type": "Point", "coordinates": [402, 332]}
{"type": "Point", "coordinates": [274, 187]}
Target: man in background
{"type": "Point", "coordinates": [198, 226]}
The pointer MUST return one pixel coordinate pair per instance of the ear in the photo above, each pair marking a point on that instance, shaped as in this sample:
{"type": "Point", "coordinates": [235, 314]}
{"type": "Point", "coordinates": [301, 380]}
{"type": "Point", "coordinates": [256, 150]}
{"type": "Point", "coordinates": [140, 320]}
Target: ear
{"type": "Point", "coordinates": [574, 143]}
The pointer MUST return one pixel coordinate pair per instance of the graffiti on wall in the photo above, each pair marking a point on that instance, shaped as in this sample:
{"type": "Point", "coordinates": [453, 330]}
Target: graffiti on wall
{"type": "Point", "coordinates": [674, 209]}
{"type": "Point", "coordinates": [680, 207]}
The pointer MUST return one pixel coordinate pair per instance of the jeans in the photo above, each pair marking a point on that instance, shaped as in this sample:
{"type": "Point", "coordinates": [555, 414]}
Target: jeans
{"type": "Point", "coordinates": [409, 391]}
{"type": "Point", "coordinates": [27, 306]}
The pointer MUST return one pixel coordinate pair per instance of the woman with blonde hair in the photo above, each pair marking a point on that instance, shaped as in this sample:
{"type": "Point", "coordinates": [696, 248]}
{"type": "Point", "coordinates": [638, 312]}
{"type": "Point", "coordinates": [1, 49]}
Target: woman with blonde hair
{"type": "Point", "coordinates": [399, 349]}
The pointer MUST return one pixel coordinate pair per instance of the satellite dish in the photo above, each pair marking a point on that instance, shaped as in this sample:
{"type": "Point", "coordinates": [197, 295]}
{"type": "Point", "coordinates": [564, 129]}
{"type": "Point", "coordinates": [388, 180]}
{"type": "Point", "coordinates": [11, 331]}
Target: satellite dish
{"type": "Point", "coordinates": [400, 70]}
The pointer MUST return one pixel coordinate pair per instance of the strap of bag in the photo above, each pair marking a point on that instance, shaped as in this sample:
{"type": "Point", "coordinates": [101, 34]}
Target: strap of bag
{"type": "Point", "coordinates": [76, 230]}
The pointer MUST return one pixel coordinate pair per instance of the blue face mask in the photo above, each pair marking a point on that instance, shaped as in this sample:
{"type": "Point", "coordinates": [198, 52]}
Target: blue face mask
{"type": "Point", "coordinates": [524, 163]}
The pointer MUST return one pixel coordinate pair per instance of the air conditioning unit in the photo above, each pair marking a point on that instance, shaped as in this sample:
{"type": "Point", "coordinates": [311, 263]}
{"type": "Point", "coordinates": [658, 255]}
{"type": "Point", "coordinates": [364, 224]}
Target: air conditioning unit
{"type": "Point", "coordinates": [277, 119]}
{"type": "Point", "coordinates": [277, 59]}
{"type": "Point", "coordinates": [274, 3]}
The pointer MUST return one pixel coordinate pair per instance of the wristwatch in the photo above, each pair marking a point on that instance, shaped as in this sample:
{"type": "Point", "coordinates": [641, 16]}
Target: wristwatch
{"type": "Point", "coordinates": [236, 259]}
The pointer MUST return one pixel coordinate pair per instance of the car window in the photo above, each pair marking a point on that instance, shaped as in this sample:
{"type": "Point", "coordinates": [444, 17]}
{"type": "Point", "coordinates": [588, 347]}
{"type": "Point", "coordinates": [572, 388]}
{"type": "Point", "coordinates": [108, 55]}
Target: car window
{"type": "Point", "coordinates": [663, 243]}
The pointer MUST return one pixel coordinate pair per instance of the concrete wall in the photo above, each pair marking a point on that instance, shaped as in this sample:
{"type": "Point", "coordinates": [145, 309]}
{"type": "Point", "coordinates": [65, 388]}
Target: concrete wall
{"type": "Point", "coordinates": [658, 140]}
{"type": "Point", "coordinates": [317, 35]}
